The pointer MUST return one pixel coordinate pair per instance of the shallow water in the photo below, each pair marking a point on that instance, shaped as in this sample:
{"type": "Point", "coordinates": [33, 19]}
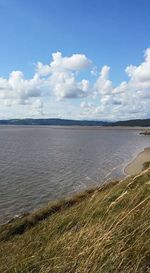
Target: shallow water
{"type": "Point", "coordinates": [38, 164]}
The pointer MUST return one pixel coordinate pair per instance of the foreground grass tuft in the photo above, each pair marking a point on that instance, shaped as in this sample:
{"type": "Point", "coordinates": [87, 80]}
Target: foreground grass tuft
{"type": "Point", "coordinates": [103, 230]}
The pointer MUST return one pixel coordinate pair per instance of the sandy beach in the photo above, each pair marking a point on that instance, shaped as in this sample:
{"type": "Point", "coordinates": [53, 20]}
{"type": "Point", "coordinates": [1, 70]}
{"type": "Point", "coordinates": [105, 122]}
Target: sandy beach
{"type": "Point", "coordinates": [137, 164]}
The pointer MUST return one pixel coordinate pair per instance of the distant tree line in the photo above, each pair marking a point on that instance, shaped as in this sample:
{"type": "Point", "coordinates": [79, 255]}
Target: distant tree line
{"type": "Point", "coordinates": [66, 122]}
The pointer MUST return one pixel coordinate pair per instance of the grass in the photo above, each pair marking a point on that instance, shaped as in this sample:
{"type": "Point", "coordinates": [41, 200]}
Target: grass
{"type": "Point", "coordinates": [103, 230]}
{"type": "Point", "coordinates": [146, 165]}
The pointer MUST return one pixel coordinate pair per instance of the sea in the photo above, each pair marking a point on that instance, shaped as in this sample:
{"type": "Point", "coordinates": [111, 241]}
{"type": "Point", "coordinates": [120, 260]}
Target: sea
{"type": "Point", "coordinates": [39, 164]}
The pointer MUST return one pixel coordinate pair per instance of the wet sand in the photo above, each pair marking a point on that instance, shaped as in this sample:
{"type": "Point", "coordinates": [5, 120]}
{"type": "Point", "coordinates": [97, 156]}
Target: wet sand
{"type": "Point", "coordinates": [136, 165]}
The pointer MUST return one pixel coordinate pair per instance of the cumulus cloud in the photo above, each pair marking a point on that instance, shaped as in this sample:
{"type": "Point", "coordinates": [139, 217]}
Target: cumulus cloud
{"type": "Point", "coordinates": [76, 62]}
{"type": "Point", "coordinates": [140, 73]}
{"type": "Point", "coordinates": [61, 73]}
{"type": "Point", "coordinates": [64, 85]}
{"type": "Point", "coordinates": [17, 89]}
{"type": "Point", "coordinates": [60, 80]}
{"type": "Point", "coordinates": [130, 99]}
{"type": "Point", "coordinates": [103, 85]}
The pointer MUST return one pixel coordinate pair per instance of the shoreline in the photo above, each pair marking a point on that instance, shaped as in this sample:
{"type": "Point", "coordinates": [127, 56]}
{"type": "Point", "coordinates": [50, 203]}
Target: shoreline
{"type": "Point", "coordinates": [133, 168]}
{"type": "Point", "coordinates": [96, 221]}
{"type": "Point", "coordinates": [136, 165]}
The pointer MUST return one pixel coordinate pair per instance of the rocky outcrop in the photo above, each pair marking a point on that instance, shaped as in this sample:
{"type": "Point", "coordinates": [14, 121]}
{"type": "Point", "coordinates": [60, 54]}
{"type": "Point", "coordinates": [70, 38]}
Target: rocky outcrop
{"type": "Point", "coordinates": [145, 133]}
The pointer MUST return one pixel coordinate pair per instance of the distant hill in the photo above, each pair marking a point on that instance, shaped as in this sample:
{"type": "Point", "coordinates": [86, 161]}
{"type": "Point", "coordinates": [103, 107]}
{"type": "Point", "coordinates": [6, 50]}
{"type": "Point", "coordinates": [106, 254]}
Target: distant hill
{"type": "Point", "coordinates": [134, 122]}
{"type": "Point", "coordinates": [51, 121]}
{"type": "Point", "coordinates": [67, 122]}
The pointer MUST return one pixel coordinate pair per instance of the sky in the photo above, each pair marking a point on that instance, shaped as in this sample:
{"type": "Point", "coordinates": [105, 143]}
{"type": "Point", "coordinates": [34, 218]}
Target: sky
{"type": "Point", "coordinates": [75, 59]}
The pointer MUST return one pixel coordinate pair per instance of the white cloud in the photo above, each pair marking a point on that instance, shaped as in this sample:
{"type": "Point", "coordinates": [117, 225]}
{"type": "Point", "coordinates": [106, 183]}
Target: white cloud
{"type": "Point", "coordinates": [58, 78]}
{"type": "Point", "coordinates": [141, 73]}
{"type": "Point", "coordinates": [103, 85]}
{"type": "Point", "coordinates": [65, 85]}
{"type": "Point", "coordinates": [61, 81]}
{"type": "Point", "coordinates": [75, 62]}
{"type": "Point", "coordinates": [36, 108]}
{"type": "Point", "coordinates": [17, 89]}
{"type": "Point", "coordinates": [61, 75]}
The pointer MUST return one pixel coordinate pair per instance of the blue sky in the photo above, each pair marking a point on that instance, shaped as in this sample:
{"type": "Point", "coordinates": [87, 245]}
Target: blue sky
{"type": "Point", "coordinates": [99, 34]}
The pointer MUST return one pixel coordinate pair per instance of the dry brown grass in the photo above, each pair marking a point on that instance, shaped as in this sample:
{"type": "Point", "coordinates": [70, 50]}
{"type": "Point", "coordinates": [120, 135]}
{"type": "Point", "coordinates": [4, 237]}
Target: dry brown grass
{"type": "Point", "coordinates": [104, 230]}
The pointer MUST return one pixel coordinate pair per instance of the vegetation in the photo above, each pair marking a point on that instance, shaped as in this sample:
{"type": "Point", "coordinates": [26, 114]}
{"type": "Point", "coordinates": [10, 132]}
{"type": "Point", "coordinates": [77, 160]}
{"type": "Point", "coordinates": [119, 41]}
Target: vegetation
{"type": "Point", "coordinates": [66, 122]}
{"type": "Point", "coordinates": [133, 123]}
{"type": "Point", "coordinates": [52, 121]}
{"type": "Point", "coordinates": [146, 165]}
{"type": "Point", "coordinates": [104, 230]}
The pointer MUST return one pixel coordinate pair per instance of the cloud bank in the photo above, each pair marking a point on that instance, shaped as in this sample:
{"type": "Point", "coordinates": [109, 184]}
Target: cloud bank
{"type": "Point", "coordinates": [59, 89]}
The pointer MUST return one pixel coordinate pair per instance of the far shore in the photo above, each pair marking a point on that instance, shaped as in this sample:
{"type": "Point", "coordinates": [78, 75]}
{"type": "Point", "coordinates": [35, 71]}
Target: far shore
{"type": "Point", "coordinates": [136, 165]}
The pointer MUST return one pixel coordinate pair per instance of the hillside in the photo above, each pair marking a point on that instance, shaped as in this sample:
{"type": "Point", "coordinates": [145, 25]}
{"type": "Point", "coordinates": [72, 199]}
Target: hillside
{"type": "Point", "coordinates": [133, 123]}
{"type": "Point", "coordinates": [51, 121]}
{"type": "Point", "coordinates": [67, 122]}
{"type": "Point", "coordinates": [103, 230]}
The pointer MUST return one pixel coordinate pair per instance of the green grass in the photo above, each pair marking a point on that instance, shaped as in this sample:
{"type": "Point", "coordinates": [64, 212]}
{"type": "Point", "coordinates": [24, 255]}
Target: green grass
{"type": "Point", "coordinates": [103, 230]}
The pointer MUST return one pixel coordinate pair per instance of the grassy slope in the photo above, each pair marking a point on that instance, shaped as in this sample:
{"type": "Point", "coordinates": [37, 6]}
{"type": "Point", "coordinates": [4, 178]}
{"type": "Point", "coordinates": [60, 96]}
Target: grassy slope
{"type": "Point", "coordinates": [106, 230]}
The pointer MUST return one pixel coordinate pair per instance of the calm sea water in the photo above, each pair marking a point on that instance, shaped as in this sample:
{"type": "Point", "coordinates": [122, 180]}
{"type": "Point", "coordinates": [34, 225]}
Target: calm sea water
{"type": "Point", "coordinates": [38, 164]}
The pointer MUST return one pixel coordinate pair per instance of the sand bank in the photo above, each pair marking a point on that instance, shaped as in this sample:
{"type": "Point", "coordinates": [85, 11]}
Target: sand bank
{"type": "Point", "coordinates": [137, 164]}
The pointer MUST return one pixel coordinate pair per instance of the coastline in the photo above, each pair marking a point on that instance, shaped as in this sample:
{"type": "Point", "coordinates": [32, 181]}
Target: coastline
{"type": "Point", "coordinates": [133, 168]}
{"type": "Point", "coordinates": [136, 165]}
{"type": "Point", "coordinates": [110, 221]}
